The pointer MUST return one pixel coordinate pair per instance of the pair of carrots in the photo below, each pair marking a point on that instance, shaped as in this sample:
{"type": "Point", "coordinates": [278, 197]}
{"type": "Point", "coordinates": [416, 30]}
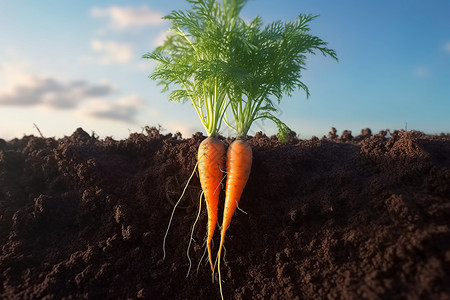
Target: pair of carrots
{"type": "Point", "coordinates": [211, 163]}
{"type": "Point", "coordinates": [223, 64]}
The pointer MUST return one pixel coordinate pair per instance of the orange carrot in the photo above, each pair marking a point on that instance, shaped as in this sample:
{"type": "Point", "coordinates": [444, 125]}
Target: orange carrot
{"type": "Point", "coordinates": [211, 158]}
{"type": "Point", "coordinates": [239, 164]}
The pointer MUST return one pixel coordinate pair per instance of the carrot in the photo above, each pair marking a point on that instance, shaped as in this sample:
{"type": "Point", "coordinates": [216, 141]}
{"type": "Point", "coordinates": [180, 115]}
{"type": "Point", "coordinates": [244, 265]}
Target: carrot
{"type": "Point", "coordinates": [223, 64]}
{"type": "Point", "coordinates": [187, 60]}
{"type": "Point", "coordinates": [239, 164]}
{"type": "Point", "coordinates": [211, 158]}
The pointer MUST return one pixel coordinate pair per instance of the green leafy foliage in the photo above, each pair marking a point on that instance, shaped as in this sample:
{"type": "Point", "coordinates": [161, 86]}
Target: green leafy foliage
{"type": "Point", "coordinates": [195, 54]}
{"type": "Point", "coordinates": [270, 65]}
{"type": "Point", "coordinates": [221, 63]}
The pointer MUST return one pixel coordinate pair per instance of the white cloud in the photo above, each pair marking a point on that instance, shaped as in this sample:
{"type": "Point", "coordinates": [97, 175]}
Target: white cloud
{"type": "Point", "coordinates": [447, 47]}
{"type": "Point", "coordinates": [50, 92]}
{"type": "Point", "coordinates": [146, 66]}
{"type": "Point", "coordinates": [126, 17]}
{"type": "Point", "coordinates": [125, 109]}
{"type": "Point", "coordinates": [13, 73]}
{"type": "Point", "coordinates": [111, 52]}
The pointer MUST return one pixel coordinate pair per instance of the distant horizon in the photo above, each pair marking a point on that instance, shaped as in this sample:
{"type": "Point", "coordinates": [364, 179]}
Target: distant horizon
{"type": "Point", "coordinates": [38, 133]}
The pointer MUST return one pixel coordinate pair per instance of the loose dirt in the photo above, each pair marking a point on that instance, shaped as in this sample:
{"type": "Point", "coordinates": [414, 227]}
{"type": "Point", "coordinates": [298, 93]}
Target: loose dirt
{"type": "Point", "coordinates": [365, 217]}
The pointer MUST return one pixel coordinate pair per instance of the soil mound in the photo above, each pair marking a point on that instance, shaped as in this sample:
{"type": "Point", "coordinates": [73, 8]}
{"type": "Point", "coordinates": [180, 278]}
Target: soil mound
{"type": "Point", "coordinates": [363, 217]}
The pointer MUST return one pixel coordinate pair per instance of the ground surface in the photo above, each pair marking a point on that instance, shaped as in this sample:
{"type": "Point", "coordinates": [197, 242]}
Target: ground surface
{"type": "Point", "coordinates": [332, 218]}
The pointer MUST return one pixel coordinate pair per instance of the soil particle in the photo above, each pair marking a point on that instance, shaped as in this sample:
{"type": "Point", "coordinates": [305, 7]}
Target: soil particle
{"type": "Point", "coordinates": [346, 136]}
{"type": "Point", "coordinates": [363, 217]}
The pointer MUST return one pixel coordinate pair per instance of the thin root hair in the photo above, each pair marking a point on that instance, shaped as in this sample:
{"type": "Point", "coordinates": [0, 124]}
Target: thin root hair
{"type": "Point", "coordinates": [192, 233]}
{"type": "Point", "coordinates": [237, 205]}
{"type": "Point", "coordinates": [203, 255]}
{"type": "Point", "coordinates": [224, 253]}
{"type": "Point", "coordinates": [223, 171]}
{"type": "Point", "coordinates": [173, 211]}
{"type": "Point", "coordinates": [218, 268]}
{"type": "Point", "coordinates": [220, 184]}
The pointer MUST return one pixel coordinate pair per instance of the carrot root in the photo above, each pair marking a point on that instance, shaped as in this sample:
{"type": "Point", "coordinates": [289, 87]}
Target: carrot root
{"type": "Point", "coordinates": [173, 211]}
{"type": "Point", "coordinates": [192, 233]}
{"type": "Point", "coordinates": [239, 164]}
{"type": "Point", "coordinates": [211, 162]}
{"type": "Point", "coordinates": [203, 255]}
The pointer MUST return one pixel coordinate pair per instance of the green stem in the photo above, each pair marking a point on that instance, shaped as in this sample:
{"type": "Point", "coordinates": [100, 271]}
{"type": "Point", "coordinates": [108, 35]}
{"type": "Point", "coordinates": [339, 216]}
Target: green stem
{"type": "Point", "coordinates": [228, 123]}
{"type": "Point", "coordinates": [199, 112]}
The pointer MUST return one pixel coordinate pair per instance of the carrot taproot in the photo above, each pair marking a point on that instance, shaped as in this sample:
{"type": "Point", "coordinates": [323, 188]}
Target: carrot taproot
{"type": "Point", "coordinates": [211, 158]}
{"type": "Point", "coordinates": [239, 164]}
{"type": "Point", "coordinates": [224, 64]}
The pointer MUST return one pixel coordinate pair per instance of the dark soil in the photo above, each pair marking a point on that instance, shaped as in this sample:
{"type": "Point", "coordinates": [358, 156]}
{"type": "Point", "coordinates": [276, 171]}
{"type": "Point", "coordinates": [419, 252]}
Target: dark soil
{"type": "Point", "coordinates": [365, 217]}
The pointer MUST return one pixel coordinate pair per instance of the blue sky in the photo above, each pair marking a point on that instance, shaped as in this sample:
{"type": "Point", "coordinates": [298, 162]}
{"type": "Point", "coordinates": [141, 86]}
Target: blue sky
{"type": "Point", "coordinates": [69, 64]}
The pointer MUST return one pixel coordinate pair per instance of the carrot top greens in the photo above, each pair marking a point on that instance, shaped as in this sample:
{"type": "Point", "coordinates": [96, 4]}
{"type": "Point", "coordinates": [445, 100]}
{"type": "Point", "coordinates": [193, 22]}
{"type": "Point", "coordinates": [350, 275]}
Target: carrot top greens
{"type": "Point", "coordinates": [269, 64]}
{"type": "Point", "coordinates": [194, 54]}
{"type": "Point", "coordinates": [221, 63]}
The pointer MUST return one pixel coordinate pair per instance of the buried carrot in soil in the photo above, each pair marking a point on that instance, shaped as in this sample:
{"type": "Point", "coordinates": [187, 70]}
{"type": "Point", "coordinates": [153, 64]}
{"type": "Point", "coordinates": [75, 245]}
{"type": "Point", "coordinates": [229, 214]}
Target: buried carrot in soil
{"type": "Point", "coordinates": [190, 59]}
{"type": "Point", "coordinates": [239, 165]}
{"type": "Point", "coordinates": [266, 63]}
{"type": "Point", "coordinates": [223, 65]}
{"type": "Point", "coordinates": [211, 162]}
